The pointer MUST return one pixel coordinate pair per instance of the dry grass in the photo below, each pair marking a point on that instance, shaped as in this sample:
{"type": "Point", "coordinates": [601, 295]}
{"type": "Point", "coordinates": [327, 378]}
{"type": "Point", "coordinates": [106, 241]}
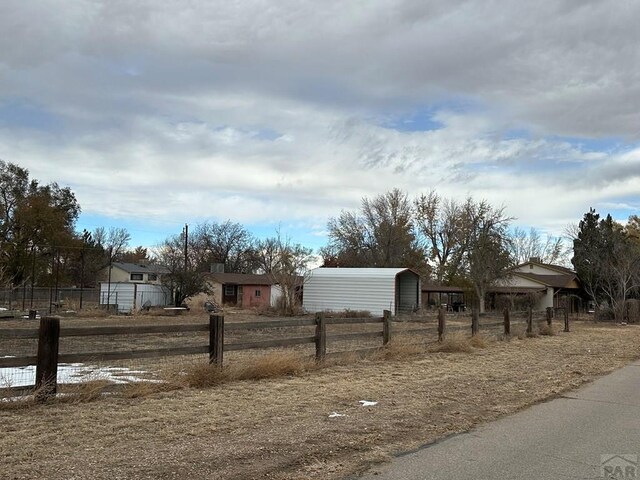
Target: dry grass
{"type": "Point", "coordinates": [456, 342]}
{"type": "Point", "coordinates": [85, 391]}
{"type": "Point", "coordinates": [480, 341]}
{"type": "Point", "coordinates": [272, 364]}
{"type": "Point", "coordinates": [547, 330]}
{"type": "Point", "coordinates": [400, 349]}
{"type": "Point", "coordinates": [347, 313]}
{"type": "Point", "coordinates": [279, 428]}
{"type": "Point", "coordinates": [70, 393]}
{"type": "Point", "coordinates": [277, 363]}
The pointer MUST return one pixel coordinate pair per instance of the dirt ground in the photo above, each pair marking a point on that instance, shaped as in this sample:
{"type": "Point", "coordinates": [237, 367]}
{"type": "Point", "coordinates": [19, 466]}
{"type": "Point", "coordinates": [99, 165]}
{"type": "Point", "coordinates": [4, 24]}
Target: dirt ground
{"type": "Point", "coordinates": [282, 429]}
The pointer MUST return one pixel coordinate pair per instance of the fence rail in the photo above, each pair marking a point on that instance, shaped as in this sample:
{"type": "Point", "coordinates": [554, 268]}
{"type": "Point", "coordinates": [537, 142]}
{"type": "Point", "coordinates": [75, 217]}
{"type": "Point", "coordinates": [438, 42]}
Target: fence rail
{"type": "Point", "coordinates": [50, 332]}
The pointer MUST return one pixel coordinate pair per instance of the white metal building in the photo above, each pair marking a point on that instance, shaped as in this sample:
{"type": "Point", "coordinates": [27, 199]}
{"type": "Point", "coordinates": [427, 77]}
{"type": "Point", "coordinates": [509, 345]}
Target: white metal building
{"type": "Point", "coordinates": [131, 296]}
{"type": "Point", "coordinates": [372, 289]}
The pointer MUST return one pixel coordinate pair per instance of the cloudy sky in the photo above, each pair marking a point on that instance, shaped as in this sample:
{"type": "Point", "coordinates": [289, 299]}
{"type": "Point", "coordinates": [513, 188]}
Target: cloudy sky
{"type": "Point", "coordinates": [282, 112]}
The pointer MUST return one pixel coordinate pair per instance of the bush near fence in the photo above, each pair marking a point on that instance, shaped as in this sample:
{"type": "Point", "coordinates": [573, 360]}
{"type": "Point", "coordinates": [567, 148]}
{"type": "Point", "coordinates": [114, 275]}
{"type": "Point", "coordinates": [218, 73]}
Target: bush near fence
{"type": "Point", "coordinates": [317, 332]}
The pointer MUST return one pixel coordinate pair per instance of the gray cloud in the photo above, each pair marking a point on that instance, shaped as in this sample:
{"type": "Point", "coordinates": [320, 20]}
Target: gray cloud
{"type": "Point", "coordinates": [275, 109]}
{"type": "Point", "coordinates": [564, 67]}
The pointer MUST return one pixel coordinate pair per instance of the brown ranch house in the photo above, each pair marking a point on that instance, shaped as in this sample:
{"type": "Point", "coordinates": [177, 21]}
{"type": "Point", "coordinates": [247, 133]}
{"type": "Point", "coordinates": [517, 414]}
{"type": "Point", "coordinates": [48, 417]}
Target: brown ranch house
{"type": "Point", "coordinates": [550, 285]}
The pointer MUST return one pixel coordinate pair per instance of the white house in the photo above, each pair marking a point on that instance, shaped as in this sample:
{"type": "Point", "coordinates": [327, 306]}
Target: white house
{"type": "Point", "coordinates": [133, 285]}
{"type": "Point", "coordinates": [132, 296]}
{"type": "Point", "coordinates": [135, 273]}
{"type": "Point", "coordinates": [371, 289]}
{"type": "Point", "coordinates": [557, 286]}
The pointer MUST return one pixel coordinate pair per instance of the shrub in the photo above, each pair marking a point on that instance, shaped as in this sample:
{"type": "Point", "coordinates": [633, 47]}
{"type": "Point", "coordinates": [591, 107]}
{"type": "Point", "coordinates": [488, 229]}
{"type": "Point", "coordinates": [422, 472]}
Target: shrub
{"type": "Point", "coordinates": [479, 341]}
{"type": "Point", "coordinates": [547, 330]}
{"type": "Point", "coordinates": [453, 343]}
{"type": "Point", "coordinates": [274, 364]}
{"type": "Point", "coordinates": [399, 349]}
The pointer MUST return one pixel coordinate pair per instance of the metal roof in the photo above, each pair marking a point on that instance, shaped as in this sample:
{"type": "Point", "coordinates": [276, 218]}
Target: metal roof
{"type": "Point", "coordinates": [241, 278]}
{"type": "Point", "coordinates": [557, 281]}
{"type": "Point", "coordinates": [558, 268]}
{"type": "Point", "coordinates": [140, 267]}
{"type": "Point", "coordinates": [359, 272]}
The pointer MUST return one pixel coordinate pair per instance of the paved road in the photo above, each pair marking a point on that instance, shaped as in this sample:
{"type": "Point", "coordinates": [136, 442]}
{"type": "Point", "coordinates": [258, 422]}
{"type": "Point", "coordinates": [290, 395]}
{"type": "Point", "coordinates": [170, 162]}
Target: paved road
{"type": "Point", "coordinates": [560, 439]}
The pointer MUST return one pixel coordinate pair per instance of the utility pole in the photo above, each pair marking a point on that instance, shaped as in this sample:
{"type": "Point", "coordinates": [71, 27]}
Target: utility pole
{"type": "Point", "coordinates": [109, 279]}
{"type": "Point", "coordinates": [33, 273]}
{"type": "Point", "coordinates": [84, 242]}
{"type": "Point", "coordinates": [186, 263]}
{"type": "Point", "coordinates": [186, 246]}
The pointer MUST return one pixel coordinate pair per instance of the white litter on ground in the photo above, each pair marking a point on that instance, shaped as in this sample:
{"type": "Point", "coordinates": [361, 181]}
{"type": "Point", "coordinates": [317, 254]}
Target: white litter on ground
{"type": "Point", "coordinates": [336, 414]}
{"type": "Point", "coordinates": [72, 373]}
{"type": "Point", "coordinates": [367, 403]}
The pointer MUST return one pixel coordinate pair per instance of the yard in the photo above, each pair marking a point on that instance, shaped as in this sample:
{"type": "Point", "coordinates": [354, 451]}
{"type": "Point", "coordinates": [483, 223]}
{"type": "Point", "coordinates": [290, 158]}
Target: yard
{"type": "Point", "coordinates": [304, 426]}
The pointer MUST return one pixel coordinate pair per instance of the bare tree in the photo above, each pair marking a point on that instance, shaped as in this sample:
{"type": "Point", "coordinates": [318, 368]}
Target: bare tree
{"type": "Point", "coordinates": [486, 257]}
{"type": "Point", "coordinates": [185, 279]}
{"type": "Point", "coordinates": [467, 242]}
{"type": "Point", "coordinates": [115, 241]}
{"type": "Point", "coordinates": [381, 234]}
{"type": "Point", "coordinates": [621, 277]}
{"type": "Point", "coordinates": [287, 264]}
{"type": "Point", "coordinates": [266, 254]}
{"type": "Point", "coordinates": [227, 243]}
{"type": "Point", "coordinates": [440, 222]}
{"type": "Point", "coordinates": [525, 246]}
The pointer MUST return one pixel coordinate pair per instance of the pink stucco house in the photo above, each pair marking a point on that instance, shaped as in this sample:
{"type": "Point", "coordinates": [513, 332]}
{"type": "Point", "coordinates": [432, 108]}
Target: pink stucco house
{"type": "Point", "coordinates": [242, 290]}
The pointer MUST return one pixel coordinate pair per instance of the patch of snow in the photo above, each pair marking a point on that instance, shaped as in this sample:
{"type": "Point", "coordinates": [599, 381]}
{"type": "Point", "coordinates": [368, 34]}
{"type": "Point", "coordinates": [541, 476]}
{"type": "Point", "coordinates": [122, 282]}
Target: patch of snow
{"type": "Point", "coordinates": [72, 373]}
{"type": "Point", "coordinates": [336, 414]}
{"type": "Point", "coordinates": [367, 403]}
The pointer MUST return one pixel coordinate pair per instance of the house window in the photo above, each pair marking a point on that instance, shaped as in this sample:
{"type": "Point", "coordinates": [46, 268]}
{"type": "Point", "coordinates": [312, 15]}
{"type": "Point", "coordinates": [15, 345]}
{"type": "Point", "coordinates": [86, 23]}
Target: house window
{"type": "Point", "coordinates": [258, 293]}
{"type": "Point", "coordinates": [152, 277]}
{"type": "Point", "coordinates": [229, 290]}
{"type": "Point", "coordinates": [137, 276]}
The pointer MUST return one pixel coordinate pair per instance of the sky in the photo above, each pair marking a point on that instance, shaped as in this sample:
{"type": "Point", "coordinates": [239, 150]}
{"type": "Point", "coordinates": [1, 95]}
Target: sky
{"type": "Point", "coordinates": [280, 114]}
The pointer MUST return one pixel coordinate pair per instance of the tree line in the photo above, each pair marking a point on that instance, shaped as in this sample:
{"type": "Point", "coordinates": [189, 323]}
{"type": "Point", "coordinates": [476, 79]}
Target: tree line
{"type": "Point", "coordinates": [189, 256]}
{"type": "Point", "coordinates": [468, 243]}
{"type": "Point", "coordinates": [40, 246]}
{"type": "Point", "coordinates": [38, 241]}
{"type": "Point", "coordinates": [606, 258]}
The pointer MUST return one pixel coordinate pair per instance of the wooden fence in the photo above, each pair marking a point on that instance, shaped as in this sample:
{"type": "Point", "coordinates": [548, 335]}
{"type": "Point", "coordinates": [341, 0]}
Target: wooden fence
{"type": "Point", "coordinates": [50, 332]}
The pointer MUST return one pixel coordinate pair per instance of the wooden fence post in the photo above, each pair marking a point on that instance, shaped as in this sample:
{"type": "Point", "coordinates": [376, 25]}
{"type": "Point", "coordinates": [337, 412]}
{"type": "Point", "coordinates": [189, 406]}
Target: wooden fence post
{"type": "Point", "coordinates": [507, 321]}
{"type": "Point", "coordinates": [549, 315]}
{"type": "Point", "coordinates": [321, 337]}
{"type": "Point", "coordinates": [475, 322]}
{"type": "Point", "coordinates": [566, 320]}
{"type": "Point", "coordinates": [529, 321]}
{"type": "Point", "coordinates": [386, 327]}
{"type": "Point", "coordinates": [216, 339]}
{"type": "Point", "coordinates": [441, 324]}
{"type": "Point", "coordinates": [47, 363]}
